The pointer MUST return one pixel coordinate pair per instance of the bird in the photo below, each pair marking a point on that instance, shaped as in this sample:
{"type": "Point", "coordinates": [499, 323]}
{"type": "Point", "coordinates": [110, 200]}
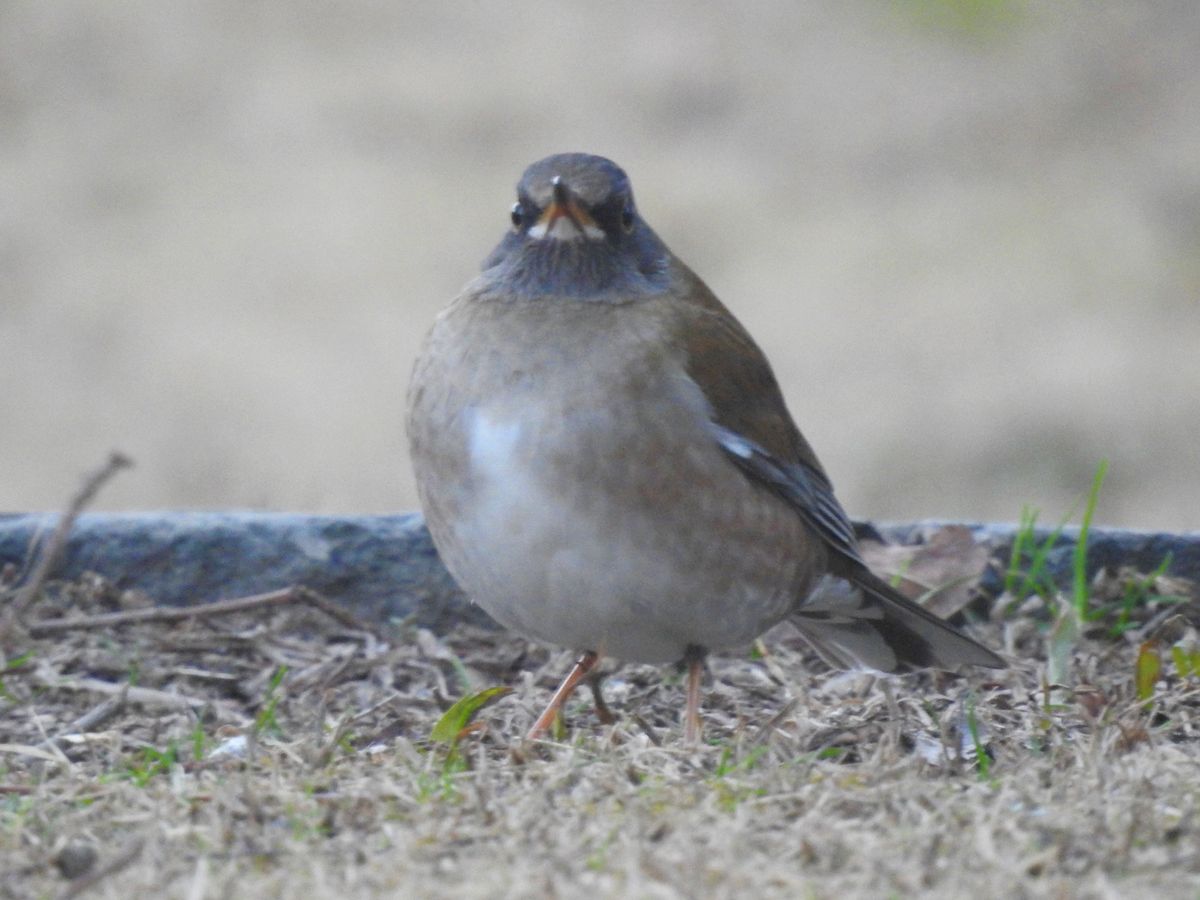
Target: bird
{"type": "Point", "coordinates": [606, 463]}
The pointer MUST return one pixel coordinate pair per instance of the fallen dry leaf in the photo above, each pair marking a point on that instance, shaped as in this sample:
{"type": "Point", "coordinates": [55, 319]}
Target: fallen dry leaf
{"type": "Point", "coordinates": [949, 563]}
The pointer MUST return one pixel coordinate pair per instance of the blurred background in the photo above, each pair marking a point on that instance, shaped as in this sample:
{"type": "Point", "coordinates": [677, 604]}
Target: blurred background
{"type": "Point", "coordinates": [967, 234]}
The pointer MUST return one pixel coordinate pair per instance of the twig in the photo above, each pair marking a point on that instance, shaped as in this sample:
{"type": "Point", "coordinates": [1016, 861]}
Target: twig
{"type": "Point", "coordinates": [325, 753]}
{"type": "Point", "coordinates": [48, 559]}
{"type": "Point", "coordinates": [1154, 623]}
{"type": "Point", "coordinates": [122, 860]}
{"type": "Point", "coordinates": [391, 698]}
{"type": "Point", "coordinates": [763, 733]}
{"type": "Point", "coordinates": [132, 693]}
{"type": "Point", "coordinates": [99, 714]}
{"type": "Point", "coordinates": [156, 613]}
{"type": "Point", "coordinates": [166, 614]}
{"type": "Point", "coordinates": [647, 729]}
{"type": "Point", "coordinates": [282, 597]}
{"type": "Point", "coordinates": [53, 755]}
{"type": "Point", "coordinates": [198, 889]}
{"type": "Point", "coordinates": [331, 609]}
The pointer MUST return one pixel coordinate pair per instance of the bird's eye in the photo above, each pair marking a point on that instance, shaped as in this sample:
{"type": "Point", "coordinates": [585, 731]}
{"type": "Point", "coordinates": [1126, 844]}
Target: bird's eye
{"type": "Point", "coordinates": [627, 219]}
{"type": "Point", "coordinates": [518, 215]}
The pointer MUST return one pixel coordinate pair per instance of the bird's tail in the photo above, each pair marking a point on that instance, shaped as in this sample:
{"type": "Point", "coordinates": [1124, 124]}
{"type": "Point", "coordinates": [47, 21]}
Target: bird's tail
{"type": "Point", "coordinates": [862, 622]}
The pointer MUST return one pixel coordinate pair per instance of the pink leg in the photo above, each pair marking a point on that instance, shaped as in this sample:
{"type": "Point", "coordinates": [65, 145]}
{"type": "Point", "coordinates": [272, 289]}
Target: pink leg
{"type": "Point", "coordinates": [578, 672]}
{"type": "Point", "coordinates": [691, 719]}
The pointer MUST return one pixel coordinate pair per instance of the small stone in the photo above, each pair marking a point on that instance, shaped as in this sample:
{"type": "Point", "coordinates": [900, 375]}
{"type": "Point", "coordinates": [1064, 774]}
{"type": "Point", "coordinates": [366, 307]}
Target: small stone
{"type": "Point", "coordinates": [75, 859]}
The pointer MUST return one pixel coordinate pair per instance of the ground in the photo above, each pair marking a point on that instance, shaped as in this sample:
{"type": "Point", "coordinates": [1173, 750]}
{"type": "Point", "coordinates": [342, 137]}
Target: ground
{"type": "Point", "coordinates": [282, 751]}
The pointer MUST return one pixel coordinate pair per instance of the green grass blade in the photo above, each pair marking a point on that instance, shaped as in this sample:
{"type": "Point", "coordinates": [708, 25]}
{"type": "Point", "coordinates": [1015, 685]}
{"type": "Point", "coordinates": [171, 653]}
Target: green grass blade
{"type": "Point", "coordinates": [1032, 579]}
{"type": "Point", "coordinates": [1081, 582]}
{"type": "Point", "coordinates": [1147, 670]}
{"type": "Point", "coordinates": [1023, 543]}
{"type": "Point", "coordinates": [448, 728]}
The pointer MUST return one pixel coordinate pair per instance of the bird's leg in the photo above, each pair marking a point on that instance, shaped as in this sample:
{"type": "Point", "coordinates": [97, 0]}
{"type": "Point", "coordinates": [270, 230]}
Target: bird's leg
{"type": "Point", "coordinates": [603, 712]}
{"type": "Point", "coordinates": [578, 672]}
{"type": "Point", "coordinates": [694, 657]}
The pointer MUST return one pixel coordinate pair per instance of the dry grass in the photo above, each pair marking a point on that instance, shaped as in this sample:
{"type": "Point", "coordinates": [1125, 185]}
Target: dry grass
{"type": "Point", "coordinates": [211, 776]}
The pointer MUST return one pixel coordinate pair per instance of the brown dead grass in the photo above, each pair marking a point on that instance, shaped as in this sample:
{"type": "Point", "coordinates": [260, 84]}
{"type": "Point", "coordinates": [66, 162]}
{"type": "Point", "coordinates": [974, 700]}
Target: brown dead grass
{"type": "Point", "coordinates": [818, 785]}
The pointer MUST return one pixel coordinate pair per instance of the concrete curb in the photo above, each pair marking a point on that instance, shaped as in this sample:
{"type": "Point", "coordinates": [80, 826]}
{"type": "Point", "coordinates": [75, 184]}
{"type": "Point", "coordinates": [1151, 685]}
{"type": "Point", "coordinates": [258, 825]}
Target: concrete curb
{"type": "Point", "coordinates": [386, 567]}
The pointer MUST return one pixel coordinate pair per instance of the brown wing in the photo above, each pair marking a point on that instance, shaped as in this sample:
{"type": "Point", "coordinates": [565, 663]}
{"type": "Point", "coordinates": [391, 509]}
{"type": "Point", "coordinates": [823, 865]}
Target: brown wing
{"type": "Point", "coordinates": [750, 419]}
{"type": "Point", "coordinates": [876, 627]}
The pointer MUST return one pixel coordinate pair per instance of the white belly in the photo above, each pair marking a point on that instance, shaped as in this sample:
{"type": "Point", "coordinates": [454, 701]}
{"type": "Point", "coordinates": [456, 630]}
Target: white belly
{"type": "Point", "coordinates": [575, 562]}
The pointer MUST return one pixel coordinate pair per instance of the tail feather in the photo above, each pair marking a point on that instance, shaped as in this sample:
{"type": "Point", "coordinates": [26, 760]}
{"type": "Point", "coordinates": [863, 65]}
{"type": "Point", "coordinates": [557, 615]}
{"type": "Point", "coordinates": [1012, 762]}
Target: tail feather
{"type": "Point", "coordinates": [862, 622]}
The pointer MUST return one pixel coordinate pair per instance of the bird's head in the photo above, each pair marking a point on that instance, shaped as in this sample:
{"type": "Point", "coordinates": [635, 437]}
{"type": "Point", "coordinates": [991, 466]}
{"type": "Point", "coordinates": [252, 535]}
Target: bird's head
{"type": "Point", "coordinates": [576, 232]}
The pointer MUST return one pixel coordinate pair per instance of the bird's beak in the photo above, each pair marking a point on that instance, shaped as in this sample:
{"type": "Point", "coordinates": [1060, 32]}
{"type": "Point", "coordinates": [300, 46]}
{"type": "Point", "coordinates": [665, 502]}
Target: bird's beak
{"type": "Point", "coordinates": [564, 217]}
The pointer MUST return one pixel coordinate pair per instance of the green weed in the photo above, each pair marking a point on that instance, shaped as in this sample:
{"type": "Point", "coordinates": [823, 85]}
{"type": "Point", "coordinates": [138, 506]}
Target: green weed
{"type": "Point", "coordinates": [266, 721]}
{"type": "Point", "coordinates": [1026, 575]}
{"type": "Point", "coordinates": [1187, 660]}
{"type": "Point", "coordinates": [983, 760]}
{"type": "Point", "coordinates": [151, 763]}
{"type": "Point", "coordinates": [16, 662]}
{"type": "Point", "coordinates": [448, 731]}
{"type": "Point", "coordinates": [1080, 579]}
{"type": "Point", "coordinates": [199, 742]}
